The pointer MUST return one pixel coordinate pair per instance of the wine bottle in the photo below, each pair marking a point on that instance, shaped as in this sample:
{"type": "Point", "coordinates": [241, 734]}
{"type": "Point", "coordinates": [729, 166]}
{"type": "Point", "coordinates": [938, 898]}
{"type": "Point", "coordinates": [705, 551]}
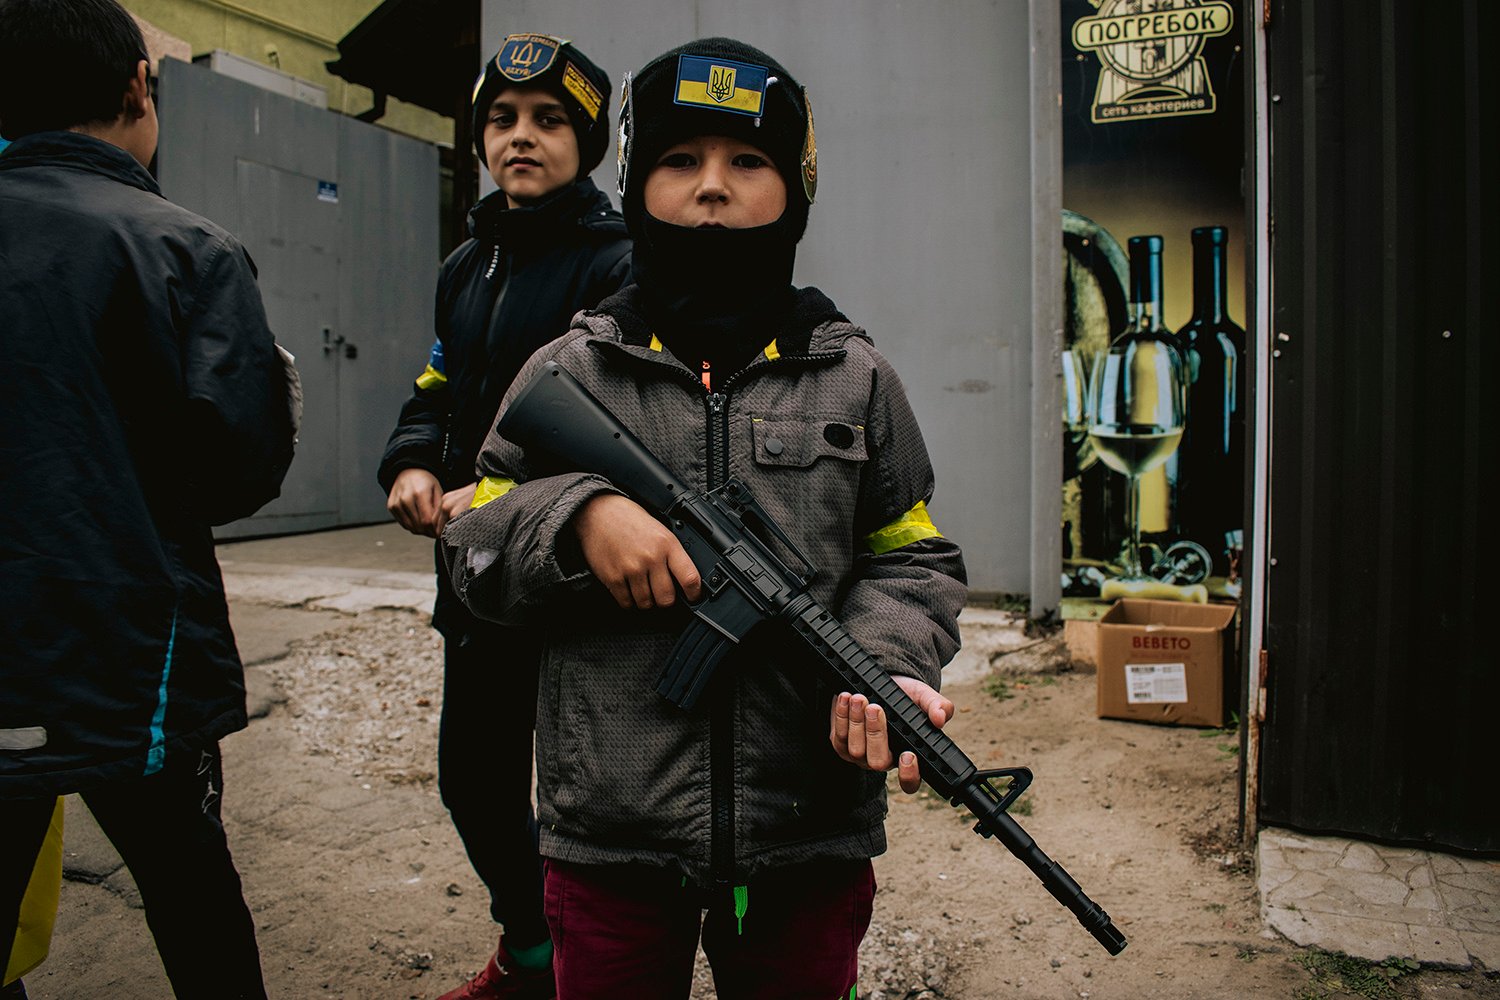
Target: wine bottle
{"type": "Point", "coordinates": [1157, 502]}
{"type": "Point", "coordinates": [1137, 398]}
{"type": "Point", "coordinates": [1211, 457]}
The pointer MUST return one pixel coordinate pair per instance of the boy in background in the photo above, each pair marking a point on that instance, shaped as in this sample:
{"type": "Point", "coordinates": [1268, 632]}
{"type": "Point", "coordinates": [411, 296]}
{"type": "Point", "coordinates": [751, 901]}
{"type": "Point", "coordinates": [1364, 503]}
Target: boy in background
{"type": "Point", "coordinates": [145, 401]}
{"type": "Point", "coordinates": [542, 247]}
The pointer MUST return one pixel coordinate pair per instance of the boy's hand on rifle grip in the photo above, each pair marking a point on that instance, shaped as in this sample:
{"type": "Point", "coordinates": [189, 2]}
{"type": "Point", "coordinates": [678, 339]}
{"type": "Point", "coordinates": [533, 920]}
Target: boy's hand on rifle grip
{"type": "Point", "coordinates": [633, 554]}
{"type": "Point", "coordinates": [859, 735]}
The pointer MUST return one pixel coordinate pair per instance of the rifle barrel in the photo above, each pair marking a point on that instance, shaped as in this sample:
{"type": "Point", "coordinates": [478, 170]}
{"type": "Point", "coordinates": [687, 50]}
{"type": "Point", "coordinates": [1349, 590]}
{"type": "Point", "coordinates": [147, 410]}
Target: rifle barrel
{"type": "Point", "coordinates": [944, 765]}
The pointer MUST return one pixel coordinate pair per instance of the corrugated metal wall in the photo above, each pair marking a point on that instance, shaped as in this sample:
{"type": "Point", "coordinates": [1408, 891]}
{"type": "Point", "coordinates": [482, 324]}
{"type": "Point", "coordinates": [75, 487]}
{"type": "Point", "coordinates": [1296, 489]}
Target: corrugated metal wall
{"type": "Point", "coordinates": [1382, 678]}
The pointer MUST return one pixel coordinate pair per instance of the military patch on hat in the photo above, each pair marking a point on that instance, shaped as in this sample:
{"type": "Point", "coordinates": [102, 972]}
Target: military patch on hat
{"type": "Point", "coordinates": [622, 137]}
{"type": "Point", "coordinates": [809, 153]}
{"type": "Point", "coordinates": [721, 84]}
{"type": "Point", "coordinates": [522, 57]}
{"type": "Point", "coordinates": [586, 94]}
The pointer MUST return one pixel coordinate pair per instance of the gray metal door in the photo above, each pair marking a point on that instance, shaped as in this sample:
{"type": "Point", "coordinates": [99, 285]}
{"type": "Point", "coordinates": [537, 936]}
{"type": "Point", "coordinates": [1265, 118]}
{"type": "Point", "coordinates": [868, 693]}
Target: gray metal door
{"type": "Point", "coordinates": [388, 202]}
{"type": "Point", "coordinates": [341, 218]}
{"type": "Point", "coordinates": [294, 240]}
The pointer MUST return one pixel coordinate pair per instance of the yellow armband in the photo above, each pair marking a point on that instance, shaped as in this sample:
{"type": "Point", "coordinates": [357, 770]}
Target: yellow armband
{"type": "Point", "coordinates": [913, 526]}
{"type": "Point", "coordinates": [491, 488]}
{"type": "Point", "coordinates": [431, 378]}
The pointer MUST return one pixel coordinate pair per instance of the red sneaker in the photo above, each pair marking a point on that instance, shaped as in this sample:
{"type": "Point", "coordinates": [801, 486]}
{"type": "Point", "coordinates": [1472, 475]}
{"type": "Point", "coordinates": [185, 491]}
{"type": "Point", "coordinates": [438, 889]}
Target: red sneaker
{"type": "Point", "coordinates": [503, 979]}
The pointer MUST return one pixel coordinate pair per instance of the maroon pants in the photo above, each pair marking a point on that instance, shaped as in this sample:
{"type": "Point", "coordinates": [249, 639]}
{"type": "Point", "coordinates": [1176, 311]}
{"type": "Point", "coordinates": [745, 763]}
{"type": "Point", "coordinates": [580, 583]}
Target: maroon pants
{"type": "Point", "coordinates": [624, 931]}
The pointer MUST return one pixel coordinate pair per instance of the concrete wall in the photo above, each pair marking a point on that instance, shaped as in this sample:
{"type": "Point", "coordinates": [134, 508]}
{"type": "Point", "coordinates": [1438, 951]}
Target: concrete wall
{"type": "Point", "coordinates": [922, 231]}
{"type": "Point", "coordinates": [293, 36]}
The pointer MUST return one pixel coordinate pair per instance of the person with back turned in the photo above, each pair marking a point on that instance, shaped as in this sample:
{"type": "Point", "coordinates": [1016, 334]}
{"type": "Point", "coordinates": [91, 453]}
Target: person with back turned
{"type": "Point", "coordinates": [145, 401]}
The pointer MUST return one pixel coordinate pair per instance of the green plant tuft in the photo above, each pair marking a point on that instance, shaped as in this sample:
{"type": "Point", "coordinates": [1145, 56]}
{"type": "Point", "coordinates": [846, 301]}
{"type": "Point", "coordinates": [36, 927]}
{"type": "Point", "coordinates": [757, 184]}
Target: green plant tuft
{"type": "Point", "coordinates": [1335, 972]}
{"type": "Point", "coordinates": [997, 686]}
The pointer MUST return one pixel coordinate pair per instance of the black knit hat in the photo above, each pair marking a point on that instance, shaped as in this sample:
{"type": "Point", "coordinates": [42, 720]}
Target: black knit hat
{"type": "Point", "coordinates": [556, 66]}
{"type": "Point", "coordinates": [717, 86]}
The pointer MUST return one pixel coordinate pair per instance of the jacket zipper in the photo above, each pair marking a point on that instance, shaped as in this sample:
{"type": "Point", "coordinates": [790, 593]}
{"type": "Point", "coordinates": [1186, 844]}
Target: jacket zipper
{"type": "Point", "coordinates": [718, 439]}
{"type": "Point", "coordinates": [721, 722]}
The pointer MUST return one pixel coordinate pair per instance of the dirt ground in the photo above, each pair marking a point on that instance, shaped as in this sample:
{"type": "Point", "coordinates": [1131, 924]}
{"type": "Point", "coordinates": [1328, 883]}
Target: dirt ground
{"type": "Point", "coordinates": [360, 889]}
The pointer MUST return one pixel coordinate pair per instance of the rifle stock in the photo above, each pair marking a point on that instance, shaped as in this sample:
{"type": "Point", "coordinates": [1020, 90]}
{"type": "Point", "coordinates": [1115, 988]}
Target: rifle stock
{"type": "Point", "coordinates": [747, 583]}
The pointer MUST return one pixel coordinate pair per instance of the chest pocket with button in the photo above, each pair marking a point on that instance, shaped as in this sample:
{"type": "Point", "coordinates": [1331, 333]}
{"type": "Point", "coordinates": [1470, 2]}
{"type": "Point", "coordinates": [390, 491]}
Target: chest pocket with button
{"type": "Point", "coordinates": [799, 443]}
{"type": "Point", "coordinates": [806, 474]}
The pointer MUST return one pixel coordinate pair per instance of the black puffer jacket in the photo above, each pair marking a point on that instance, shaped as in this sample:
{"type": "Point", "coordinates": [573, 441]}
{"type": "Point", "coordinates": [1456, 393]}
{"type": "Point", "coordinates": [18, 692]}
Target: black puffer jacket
{"type": "Point", "coordinates": [513, 287]}
{"type": "Point", "coordinates": [144, 402]}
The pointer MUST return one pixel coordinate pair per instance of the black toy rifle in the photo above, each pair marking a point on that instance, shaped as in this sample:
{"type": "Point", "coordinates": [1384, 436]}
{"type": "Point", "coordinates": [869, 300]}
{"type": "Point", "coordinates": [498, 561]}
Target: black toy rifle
{"type": "Point", "coordinates": [745, 583]}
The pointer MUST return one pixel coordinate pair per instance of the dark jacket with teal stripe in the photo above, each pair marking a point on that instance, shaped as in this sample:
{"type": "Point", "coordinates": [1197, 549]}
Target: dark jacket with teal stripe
{"type": "Point", "coordinates": [144, 401]}
{"type": "Point", "coordinates": [505, 292]}
{"type": "Point", "coordinates": [819, 427]}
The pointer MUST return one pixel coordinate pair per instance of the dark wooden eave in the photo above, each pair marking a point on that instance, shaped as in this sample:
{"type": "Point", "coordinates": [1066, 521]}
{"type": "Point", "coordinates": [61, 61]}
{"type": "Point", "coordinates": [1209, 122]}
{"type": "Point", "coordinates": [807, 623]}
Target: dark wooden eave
{"type": "Point", "coordinates": [423, 52]}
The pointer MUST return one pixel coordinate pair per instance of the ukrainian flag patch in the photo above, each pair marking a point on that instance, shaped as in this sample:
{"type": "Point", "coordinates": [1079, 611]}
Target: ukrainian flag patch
{"type": "Point", "coordinates": [721, 84]}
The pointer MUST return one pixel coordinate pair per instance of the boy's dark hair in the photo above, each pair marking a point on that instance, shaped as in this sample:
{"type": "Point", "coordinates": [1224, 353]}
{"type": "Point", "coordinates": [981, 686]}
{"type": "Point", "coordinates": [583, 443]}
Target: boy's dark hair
{"type": "Point", "coordinates": [64, 63]}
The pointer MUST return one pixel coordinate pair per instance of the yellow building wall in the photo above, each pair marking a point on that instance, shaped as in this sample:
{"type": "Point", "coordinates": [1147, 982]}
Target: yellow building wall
{"type": "Point", "coordinates": [295, 37]}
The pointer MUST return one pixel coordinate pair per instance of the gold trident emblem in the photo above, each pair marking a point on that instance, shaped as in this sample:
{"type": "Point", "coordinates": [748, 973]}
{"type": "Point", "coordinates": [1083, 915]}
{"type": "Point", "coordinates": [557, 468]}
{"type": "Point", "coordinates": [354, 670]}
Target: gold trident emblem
{"type": "Point", "coordinates": [526, 55]}
{"type": "Point", "coordinates": [721, 83]}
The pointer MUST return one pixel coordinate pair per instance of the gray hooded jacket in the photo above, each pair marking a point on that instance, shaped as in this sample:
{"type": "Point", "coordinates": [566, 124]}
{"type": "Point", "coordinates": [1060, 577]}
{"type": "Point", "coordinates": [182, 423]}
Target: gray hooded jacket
{"type": "Point", "coordinates": [820, 429]}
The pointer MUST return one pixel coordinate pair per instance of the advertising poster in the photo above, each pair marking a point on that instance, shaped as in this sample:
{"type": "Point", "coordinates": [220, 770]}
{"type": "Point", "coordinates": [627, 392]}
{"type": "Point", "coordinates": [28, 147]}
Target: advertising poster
{"type": "Point", "coordinates": [1154, 343]}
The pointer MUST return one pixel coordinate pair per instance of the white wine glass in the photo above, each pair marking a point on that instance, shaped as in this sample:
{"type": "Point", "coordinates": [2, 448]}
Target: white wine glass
{"type": "Point", "coordinates": [1136, 415]}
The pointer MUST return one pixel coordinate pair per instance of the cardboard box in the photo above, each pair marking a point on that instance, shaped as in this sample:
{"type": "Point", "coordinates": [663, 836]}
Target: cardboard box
{"type": "Point", "coordinates": [1167, 662]}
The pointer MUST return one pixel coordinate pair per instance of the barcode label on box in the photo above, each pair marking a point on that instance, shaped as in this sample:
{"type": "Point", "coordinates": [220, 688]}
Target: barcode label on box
{"type": "Point", "coordinates": [1156, 683]}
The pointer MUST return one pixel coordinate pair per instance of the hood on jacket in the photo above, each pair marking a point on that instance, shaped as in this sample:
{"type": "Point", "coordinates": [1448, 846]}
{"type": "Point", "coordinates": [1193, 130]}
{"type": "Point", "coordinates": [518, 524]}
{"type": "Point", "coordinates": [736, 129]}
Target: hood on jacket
{"type": "Point", "coordinates": [811, 322]}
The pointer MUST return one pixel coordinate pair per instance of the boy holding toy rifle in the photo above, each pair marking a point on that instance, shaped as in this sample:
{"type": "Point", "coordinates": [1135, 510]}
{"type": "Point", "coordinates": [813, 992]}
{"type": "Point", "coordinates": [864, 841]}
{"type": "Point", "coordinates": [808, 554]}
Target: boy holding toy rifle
{"type": "Point", "coordinates": [741, 807]}
{"type": "Point", "coordinates": [803, 445]}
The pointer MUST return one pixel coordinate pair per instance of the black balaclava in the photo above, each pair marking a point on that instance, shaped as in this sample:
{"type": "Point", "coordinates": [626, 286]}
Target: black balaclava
{"type": "Point", "coordinates": [556, 66]}
{"type": "Point", "coordinates": [712, 294]}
